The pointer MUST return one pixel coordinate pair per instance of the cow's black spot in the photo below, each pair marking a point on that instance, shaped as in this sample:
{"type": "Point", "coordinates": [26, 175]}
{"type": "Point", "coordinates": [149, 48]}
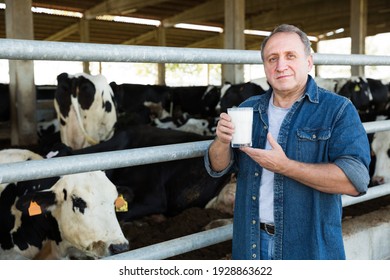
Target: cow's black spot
{"type": "Point", "coordinates": [78, 203]}
{"type": "Point", "coordinates": [65, 194]}
{"type": "Point", "coordinates": [62, 94]}
{"type": "Point", "coordinates": [86, 94]}
{"type": "Point", "coordinates": [107, 106]}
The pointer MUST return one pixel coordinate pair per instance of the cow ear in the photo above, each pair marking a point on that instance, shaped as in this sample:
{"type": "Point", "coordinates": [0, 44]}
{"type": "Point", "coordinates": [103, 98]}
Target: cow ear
{"type": "Point", "coordinates": [62, 77]}
{"type": "Point", "coordinates": [36, 203]}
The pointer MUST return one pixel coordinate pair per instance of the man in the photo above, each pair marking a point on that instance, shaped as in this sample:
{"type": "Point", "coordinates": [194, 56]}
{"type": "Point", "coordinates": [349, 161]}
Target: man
{"type": "Point", "coordinates": [309, 147]}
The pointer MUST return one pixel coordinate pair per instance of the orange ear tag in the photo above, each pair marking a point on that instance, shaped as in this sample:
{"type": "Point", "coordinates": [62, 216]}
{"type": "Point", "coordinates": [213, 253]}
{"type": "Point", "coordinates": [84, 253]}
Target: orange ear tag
{"type": "Point", "coordinates": [34, 209]}
{"type": "Point", "coordinates": [120, 204]}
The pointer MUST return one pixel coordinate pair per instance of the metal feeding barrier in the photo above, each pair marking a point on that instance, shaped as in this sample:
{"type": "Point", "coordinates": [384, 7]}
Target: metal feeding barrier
{"type": "Point", "coordinates": [41, 50]}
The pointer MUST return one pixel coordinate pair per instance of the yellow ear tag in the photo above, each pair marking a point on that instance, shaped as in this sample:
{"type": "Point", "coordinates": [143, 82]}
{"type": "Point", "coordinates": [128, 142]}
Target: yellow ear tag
{"type": "Point", "coordinates": [120, 204]}
{"type": "Point", "coordinates": [357, 88]}
{"type": "Point", "coordinates": [34, 209]}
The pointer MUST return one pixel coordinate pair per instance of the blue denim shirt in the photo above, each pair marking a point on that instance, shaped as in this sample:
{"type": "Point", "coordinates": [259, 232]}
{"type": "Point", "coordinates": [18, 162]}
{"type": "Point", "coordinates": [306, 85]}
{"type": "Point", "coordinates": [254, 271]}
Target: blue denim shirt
{"type": "Point", "coordinates": [321, 127]}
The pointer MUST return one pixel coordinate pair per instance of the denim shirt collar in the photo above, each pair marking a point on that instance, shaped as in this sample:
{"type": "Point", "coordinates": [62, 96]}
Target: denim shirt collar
{"type": "Point", "coordinates": [311, 92]}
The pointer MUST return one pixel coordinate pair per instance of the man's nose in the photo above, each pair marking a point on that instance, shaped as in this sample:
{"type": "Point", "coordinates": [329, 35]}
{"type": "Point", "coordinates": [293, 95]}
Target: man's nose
{"type": "Point", "coordinates": [281, 65]}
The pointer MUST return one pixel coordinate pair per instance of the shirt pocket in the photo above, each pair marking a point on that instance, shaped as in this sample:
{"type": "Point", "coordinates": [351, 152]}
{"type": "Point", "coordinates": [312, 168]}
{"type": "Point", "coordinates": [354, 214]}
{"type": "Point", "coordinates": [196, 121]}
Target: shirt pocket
{"type": "Point", "coordinates": [313, 144]}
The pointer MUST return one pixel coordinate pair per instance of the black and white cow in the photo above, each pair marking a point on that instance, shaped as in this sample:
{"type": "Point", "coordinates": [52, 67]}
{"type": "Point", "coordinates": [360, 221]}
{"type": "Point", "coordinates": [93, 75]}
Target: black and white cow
{"type": "Point", "coordinates": [160, 188]}
{"type": "Point", "coordinates": [197, 101]}
{"type": "Point", "coordinates": [224, 201]}
{"type": "Point", "coordinates": [5, 103]}
{"type": "Point", "coordinates": [380, 147]}
{"type": "Point", "coordinates": [370, 96]}
{"type": "Point", "coordinates": [75, 214]}
{"type": "Point", "coordinates": [85, 109]}
{"type": "Point", "coordinates": [233, 94]}
{"type": "Point", "coordinates": [162, 119]}
{"type": "Point", "coordinates": [130, 100]}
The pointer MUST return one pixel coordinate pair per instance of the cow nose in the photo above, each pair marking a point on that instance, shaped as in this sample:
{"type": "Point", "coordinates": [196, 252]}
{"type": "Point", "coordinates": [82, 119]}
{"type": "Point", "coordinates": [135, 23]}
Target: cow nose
{"type": "Point", "coordinates": [118, 248]}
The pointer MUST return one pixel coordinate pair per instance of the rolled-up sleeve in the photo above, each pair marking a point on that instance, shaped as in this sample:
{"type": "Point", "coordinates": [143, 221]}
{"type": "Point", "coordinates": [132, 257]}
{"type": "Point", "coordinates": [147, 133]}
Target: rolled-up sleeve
{"type": "Point", "coordinates": [214, 173]}
{"type": "Point", "coordinates": [356, 172]}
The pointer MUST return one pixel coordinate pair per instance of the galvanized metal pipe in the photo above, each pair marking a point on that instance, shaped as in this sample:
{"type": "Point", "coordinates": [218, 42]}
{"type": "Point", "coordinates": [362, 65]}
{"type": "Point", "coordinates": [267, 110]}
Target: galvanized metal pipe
{"type": "Point", "coordinates": [10, 172]}
{"type": "Point", "coordinates": [376, 126]}
{"type": "Point", "coordinates": [199, 240]}
{"type": "Point", "coordinates": [44, 50]}
{"type": "Point", "coordinates": [372, 193]}
{"type": "Point", "coordinates": [178, 246]}
{"type": "Point", "coordinates": [36, 169]}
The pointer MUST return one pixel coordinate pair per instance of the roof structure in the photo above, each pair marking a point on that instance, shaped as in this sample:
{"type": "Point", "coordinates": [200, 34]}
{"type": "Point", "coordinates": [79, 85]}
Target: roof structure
{"type": "Point", "coordinates": [323, 19]}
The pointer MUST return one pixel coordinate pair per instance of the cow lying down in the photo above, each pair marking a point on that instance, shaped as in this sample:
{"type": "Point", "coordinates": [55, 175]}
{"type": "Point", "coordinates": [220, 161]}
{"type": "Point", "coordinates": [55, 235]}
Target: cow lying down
{"type": "Point", "coordinates": [74, 214]}
{"type": "Point", "coordinates": [165, 188]}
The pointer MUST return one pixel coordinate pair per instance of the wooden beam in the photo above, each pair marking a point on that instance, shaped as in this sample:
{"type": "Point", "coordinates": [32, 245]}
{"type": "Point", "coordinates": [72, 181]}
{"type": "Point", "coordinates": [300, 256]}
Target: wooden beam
{"type": "Point", "coordinates": [209, 10]}
{"type": "Point", "coordinates": [299, 14]}
{"type": "Point", "coordinates": [64, 33]}
{"type": "Point", "coordinates": [121, 7]}
{"type": "Point", "coordinates": [216, 41]}
{"type": "Point", "coordinates": [142, 38]}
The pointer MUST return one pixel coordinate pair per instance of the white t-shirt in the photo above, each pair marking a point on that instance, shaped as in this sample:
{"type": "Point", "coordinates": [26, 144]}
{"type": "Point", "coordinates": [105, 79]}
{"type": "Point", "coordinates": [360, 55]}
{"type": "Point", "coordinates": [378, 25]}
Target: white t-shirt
{"type": "Point", "coordinates": [275, 116]}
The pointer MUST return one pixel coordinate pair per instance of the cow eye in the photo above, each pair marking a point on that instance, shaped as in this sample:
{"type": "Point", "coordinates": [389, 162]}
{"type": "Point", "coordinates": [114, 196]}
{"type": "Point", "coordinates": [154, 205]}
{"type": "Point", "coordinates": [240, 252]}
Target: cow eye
{"type": "Point", "coordinates": [78, 203]}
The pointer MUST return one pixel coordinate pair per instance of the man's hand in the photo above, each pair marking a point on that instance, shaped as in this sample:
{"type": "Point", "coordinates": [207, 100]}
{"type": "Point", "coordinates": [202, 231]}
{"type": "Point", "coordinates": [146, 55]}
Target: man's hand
{"type": "Point", "coordinates": [225, 129]}
{"type": "Point", "coordinates": [274, 160]}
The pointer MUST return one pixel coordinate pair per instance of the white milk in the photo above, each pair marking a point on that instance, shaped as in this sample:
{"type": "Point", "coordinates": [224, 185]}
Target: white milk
{"type": "Point", "coordinates": [242, 119]}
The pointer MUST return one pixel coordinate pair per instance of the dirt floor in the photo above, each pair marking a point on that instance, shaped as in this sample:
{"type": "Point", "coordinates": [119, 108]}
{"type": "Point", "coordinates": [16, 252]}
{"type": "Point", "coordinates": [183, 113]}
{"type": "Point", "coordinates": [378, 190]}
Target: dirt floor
{"type": "Point", "coordinates": [147, 232]}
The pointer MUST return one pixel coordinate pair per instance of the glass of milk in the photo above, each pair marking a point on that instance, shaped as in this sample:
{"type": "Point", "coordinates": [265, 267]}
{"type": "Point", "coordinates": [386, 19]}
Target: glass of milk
{"type": "Point", "coordinates": [242, 119]}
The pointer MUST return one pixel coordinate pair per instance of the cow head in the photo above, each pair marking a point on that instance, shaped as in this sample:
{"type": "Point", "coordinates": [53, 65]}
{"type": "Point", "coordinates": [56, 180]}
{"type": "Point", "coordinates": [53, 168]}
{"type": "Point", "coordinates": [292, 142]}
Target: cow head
{"type": "Point", "coordinates": [75, 212]}
{"type": "Point", "coordinates": [85, 109]}
{"type": "Point", "coordinates": [83, 206]}
{"type": "Point", "coordinates": [381, 150]}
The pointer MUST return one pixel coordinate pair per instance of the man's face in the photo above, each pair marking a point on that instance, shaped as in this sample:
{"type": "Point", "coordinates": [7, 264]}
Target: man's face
{"type": "Point", "coordinates": [286, 64]}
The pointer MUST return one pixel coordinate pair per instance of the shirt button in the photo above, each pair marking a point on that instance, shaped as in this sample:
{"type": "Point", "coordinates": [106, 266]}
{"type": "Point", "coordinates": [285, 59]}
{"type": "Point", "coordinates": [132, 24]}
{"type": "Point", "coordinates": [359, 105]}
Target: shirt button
{"type": "Point", "coordinates": [314, 136]}
{"type": "Point", "coordinates": [256, 174]}
{"type": "Point", "coordinates": [253, 222]}
{"type": "Point", "coordinates": [253, 246]}
{"type": "Point", "coordinates": [253, 256]}
{"type": "Point", "coordinates": [253, 197]}
{"type": "Point", "coordinates": [265, 127]}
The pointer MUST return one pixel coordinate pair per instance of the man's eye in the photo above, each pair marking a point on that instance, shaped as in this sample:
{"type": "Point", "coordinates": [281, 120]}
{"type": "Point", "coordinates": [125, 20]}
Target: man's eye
{"type": "Point", "coordinates": [272, 59]}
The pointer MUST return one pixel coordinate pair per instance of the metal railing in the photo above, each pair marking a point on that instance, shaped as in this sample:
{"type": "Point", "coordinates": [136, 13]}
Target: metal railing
{"type": "Point", "coordinates": [40, 50]}
{"type": "Point", "coordinates": [44, 50]}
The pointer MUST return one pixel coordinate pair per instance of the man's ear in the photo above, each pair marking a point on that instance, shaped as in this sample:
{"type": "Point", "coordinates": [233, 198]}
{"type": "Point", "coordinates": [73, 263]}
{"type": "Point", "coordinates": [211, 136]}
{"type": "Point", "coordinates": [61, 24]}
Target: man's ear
{"type": "Point", "coordinates": [310, 62]}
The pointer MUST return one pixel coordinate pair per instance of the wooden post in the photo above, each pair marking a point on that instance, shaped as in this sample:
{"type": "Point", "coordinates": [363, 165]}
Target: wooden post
{"type": "Point", "coordinates": [22, 86]}
{"type": "Point", "coordinates": [358, 24]}
{"type": "Point", "coordinates": [84, 38]}
{"type": "Point", "coordinates": [161, 66]}
{"type": "Point", "coordinates": [234, 38]}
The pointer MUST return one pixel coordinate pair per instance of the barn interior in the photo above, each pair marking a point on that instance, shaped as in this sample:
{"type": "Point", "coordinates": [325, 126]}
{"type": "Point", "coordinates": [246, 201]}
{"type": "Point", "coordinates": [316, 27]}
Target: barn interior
{"type": "Point", "coordinates": [231, 24]}
{"type": "Point", "coordinates": [215, 24]}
